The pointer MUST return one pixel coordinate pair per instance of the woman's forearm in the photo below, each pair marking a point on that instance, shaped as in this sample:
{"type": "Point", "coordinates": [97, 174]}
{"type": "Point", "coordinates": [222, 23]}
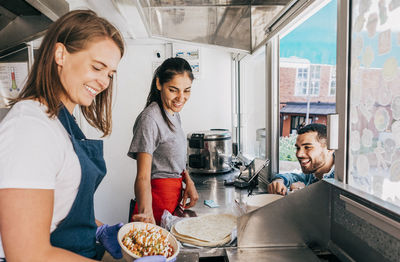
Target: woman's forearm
{"type": "Point", "coordinates": [25, 223]}
{"type": "Point", "coordinates": [190, 191]}
{"type": "Point", "coordinates": [143, 195]}
{"type": "Point", "coordinates": [99, 223]}
{"type": "Point", "coordinates": [186, 177]}
{"type": "Point", "coordinates": [143, 183]}
{"type": "Point", "coordinates": [58, 254]}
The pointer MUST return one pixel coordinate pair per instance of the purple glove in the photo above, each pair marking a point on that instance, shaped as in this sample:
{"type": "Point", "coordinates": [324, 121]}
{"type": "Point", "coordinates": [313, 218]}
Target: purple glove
{"type": "Point", "coordinates": [151, 259]}
{"type": "Point", "coordinates": [107, 236]}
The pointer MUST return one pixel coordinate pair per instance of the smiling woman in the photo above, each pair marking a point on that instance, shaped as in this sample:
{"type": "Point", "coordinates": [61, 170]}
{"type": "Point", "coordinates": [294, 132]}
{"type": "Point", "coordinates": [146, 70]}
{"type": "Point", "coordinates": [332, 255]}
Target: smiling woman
{"type": "Point", "coordinates": [49, 171]}
{"type": "Point", "coordinates": [159, 145]}
{"type": "Point", "coordinates": [84, 51]}
{"type": "Point", "coordinates": [93, 71]}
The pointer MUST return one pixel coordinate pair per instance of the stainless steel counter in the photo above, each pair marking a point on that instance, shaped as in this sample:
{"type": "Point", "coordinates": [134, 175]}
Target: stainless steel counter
{"type": "Point", "coordinates": [211, 187]}
{"type": "Point", "coordinates": [316, 217]}
{"type": "Point", "coordinates": [299, 254]}
{"type": "Point", "coordinates": [230, 200]}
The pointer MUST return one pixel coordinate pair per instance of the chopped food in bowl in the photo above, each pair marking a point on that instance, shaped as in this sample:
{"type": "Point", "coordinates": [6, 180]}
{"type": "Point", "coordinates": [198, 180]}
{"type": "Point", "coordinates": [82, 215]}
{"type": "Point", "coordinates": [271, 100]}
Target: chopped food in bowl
{"type": "Point", "coordinates": [138, 239]}
{"type": "Point", "coordinates": [147, 242]}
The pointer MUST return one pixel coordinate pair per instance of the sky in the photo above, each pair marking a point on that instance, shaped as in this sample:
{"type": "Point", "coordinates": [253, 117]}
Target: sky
{"type": "Point", "coordinates": [315, 38]}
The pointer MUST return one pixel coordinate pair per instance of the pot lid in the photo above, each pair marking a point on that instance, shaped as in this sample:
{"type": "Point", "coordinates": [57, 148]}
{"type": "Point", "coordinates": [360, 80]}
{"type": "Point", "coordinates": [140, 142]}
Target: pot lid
{"type": "Point", "coordinates": [212, 134]}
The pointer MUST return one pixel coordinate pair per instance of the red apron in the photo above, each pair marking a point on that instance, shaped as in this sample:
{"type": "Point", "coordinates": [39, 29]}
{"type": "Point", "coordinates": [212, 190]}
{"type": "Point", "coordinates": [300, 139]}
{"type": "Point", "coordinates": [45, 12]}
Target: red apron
{"type": "Point", "coordinates": [166, 194]}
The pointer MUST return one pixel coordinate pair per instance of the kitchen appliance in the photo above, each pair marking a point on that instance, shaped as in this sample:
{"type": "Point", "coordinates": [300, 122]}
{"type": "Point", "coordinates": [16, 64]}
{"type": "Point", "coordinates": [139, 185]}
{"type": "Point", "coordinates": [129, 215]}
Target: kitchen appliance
{"type": "Point", "coordinates": [210, 151]}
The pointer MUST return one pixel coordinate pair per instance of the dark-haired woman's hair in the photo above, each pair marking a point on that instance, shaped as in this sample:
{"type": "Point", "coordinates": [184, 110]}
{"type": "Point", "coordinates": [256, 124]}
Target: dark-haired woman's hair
{"type": "Point", "coordinates": [75, 30]}
{"type": "Point", "coordinates": [165, 73]}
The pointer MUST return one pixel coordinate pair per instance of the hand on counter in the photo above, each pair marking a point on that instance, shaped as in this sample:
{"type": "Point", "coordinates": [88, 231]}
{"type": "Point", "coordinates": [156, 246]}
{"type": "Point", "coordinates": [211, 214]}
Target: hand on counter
{"type": "Point", "coordinates": [107, 236]}
{"type": "Point", "coordinates": [144, 217]}
{"type": "Point", "coordinates": [277, 187]}
{"type": "Point", "coordinates": [297, 185]}
{"type": "Point", "coordinates": [190, 192]}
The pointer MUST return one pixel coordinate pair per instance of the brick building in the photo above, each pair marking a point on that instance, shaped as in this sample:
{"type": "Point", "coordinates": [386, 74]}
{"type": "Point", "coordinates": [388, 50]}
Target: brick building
{"type": "Point", "coordinates": [302, 85]}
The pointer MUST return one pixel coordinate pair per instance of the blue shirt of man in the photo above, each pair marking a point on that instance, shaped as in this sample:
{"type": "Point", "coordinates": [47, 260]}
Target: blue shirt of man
{"type": "Point", "coordinates": [307, 179]}
{"type": "Point", "coordinates": [315, 159]}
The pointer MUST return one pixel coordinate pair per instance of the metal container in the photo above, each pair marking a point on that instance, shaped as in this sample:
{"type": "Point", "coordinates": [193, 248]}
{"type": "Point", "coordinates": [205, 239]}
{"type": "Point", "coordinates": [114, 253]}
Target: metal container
{"type": "Point", "coordinates": [210, 151]}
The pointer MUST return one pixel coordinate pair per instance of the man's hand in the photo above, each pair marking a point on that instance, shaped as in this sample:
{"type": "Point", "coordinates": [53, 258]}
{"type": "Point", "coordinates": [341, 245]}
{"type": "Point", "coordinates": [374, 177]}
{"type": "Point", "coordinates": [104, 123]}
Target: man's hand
{"type": "Point", "coordinates": [144, 217]}
{"type": "Point", "coordinates": [277, 187]}
{"type": "Point", "coordinates": [297, 185]}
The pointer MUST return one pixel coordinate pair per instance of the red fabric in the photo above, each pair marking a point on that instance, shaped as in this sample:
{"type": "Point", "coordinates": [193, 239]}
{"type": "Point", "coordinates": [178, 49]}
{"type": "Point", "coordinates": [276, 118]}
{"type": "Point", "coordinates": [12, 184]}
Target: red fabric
{"type": "Point", "coordinates": [166, 194]}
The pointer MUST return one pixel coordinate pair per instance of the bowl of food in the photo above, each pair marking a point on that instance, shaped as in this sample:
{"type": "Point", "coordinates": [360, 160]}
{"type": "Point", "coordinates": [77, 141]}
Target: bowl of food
{"type": "Point", "coordinates": [139, 239]}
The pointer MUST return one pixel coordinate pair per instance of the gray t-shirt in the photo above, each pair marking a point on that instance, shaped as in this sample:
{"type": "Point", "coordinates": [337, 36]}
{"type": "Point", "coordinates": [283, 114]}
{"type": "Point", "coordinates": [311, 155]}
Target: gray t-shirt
{"type": "Point", "coordinates": [152, 135]}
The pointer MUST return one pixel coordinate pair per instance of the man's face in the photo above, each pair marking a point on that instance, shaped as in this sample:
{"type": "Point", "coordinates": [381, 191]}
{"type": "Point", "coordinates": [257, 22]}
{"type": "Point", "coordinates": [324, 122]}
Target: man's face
{"type": "Point", "coordinates": [313, 155]}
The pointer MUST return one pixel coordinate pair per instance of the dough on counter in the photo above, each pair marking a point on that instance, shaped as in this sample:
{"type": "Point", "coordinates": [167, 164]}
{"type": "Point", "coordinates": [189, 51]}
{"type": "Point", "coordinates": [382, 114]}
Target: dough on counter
{"type": "Point", "coordinates": [209, 228]}
{"type": "Point", "coordinates": [197, 242]}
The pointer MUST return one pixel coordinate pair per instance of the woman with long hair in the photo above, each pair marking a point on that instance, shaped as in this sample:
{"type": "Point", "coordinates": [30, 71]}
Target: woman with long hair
{"type": "Point", "coordinates": [159, 145]}
{"type": "Point", "coordinates": [49, 171]}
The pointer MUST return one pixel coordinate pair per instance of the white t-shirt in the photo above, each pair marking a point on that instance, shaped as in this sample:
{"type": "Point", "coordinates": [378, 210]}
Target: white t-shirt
{"type": "Point", "coordinates": [36, 153]}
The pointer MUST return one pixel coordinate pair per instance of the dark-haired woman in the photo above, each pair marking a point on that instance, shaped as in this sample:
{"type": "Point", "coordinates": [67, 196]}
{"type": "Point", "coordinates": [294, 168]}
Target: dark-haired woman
{"type": "Point", "coordinates": [159, 145]}
{"type": "Point", "coordinates": [49, 171]}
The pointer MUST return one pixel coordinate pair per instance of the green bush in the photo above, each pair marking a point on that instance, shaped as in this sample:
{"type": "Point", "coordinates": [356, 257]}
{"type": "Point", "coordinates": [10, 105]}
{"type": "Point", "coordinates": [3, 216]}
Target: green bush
{"type": "Point", "coordinates": [287, 150]}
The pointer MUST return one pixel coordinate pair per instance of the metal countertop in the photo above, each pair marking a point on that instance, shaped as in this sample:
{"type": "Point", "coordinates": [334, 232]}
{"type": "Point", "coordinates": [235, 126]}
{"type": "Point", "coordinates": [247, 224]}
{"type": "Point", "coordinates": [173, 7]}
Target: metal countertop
{"type": "Point", "coordinates": [230, 200]}
{"type": "Point", "coordinates": [211, 187]}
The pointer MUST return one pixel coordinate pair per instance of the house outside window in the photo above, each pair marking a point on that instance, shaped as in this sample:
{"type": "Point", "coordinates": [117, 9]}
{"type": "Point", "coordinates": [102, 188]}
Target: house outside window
{"type": "Point", "coordinates": [332, 82]}
{"type": "Point", "coordinates": [302, 81]}
{"type": "Point", "coordinates": [315, 80]}
{"type": "Point", "coordinates": [307, 52]}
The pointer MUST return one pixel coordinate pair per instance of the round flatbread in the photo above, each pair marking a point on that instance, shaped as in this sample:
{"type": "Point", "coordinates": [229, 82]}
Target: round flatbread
{"type": "Point", "coordinates": [197, 242]}
{"type": "Point", "coordinates": [211, 228]}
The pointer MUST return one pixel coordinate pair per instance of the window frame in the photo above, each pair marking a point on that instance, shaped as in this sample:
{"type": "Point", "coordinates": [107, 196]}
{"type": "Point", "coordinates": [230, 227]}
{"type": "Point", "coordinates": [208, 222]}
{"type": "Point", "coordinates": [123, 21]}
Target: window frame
{"type": "Point", "coordinates": [342, 103]}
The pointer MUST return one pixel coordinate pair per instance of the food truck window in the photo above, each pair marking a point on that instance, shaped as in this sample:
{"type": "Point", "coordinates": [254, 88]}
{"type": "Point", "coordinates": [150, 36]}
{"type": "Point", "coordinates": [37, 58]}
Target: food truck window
{"type": "Point", "coordinates": [374, 118]}
{"type": "Point", "coordinates": [307, 63]}
{"type": "Point", "coordinates": [252, 104]}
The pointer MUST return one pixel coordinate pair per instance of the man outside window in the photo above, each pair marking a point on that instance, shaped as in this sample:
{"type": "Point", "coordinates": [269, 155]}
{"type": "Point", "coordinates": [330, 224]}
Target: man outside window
{"type": "Point", "coordinates": [315, 159]}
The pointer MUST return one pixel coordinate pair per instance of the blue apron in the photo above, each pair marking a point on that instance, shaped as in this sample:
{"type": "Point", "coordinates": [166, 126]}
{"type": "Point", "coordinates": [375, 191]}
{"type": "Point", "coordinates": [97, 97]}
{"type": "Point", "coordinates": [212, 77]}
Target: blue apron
{"type": "Point", "coordinates": [77, 232]}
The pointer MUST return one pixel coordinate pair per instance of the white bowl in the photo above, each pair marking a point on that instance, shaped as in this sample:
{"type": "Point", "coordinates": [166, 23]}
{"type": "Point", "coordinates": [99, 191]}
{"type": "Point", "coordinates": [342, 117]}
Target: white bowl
{"type": "Point", "coordinates": [257, 201]}
{"type": "Point", "coordinates": [128, 255]}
